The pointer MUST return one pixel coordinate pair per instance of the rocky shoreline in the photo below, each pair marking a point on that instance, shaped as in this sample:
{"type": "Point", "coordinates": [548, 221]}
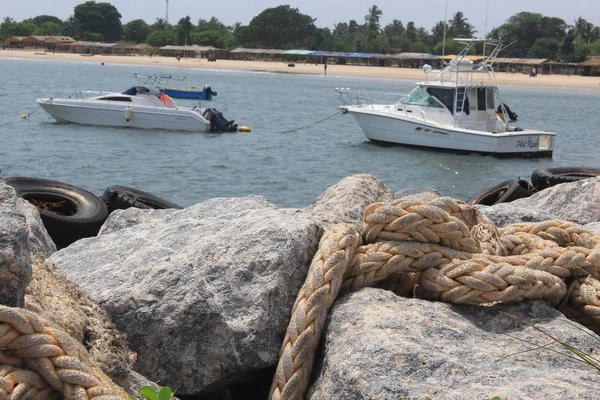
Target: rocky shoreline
{"type": "Point", "coordinates": [199, 299]}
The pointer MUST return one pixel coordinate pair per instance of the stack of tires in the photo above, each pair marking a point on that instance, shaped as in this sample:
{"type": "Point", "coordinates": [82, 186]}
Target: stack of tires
{"type": "Point", "coordinates": [541, 178]}
{"type": "Point", "coordinates": [70, 213]}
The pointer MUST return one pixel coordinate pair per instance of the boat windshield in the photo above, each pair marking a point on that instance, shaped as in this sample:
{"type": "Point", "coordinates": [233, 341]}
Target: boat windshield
{"type": "Point", "coordinates": [420, 97]}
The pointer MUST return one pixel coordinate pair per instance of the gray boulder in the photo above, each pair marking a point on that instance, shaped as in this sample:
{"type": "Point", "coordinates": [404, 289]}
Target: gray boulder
{"type": "Point", "coordinates": [381, 346]}
{"type": "Point", "coordinates": [346, 200]}
{"type": "Point", "coordinates": [503, 214]}
{"type": "Point", "coordinates": [577, 201]}
{"type": "Point", "coordinates": [204, 293]}
{"type": "Point", "coordinates": [423, 194]}
{"type": "Point", "coordinates": [22, 236]}
{"type": "Point", "coordinates": [121, 219]}
{"type": "Point", "coordinates": [593, 227]}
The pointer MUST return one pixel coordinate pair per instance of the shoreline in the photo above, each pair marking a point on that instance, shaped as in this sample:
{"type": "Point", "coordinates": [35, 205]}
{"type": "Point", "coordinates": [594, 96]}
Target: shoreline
{"type": "Point", "coordinates": [415, 74]}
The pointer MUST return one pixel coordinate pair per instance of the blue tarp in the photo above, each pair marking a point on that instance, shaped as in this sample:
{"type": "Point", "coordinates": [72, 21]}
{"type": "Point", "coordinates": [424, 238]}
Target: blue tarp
{"type": "Point", "coordinates": [350, 55]}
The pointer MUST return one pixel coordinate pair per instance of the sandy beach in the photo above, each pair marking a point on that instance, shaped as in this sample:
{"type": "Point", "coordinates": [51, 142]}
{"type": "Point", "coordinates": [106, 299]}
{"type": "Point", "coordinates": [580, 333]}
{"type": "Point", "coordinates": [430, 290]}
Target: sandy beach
{"type": "Point", "coordinates": [573, 81]}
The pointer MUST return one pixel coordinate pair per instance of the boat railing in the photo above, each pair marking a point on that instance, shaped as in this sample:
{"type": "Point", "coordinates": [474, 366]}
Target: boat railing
{"type": "Point", "coordinates": [72, 94]}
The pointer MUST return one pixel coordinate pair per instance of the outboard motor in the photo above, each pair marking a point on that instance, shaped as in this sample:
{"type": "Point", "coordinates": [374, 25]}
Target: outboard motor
{"type": "Point", "coordinates": [218, 123]}
{"type": "Point", "coordinates": [511, 115]}
{"type": "Point", "coordinates": [208, 92]}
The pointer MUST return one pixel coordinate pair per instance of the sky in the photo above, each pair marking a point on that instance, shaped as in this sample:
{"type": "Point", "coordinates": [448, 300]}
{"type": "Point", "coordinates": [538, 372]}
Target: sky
{"type": "Point", "coordinates": [424, 13]}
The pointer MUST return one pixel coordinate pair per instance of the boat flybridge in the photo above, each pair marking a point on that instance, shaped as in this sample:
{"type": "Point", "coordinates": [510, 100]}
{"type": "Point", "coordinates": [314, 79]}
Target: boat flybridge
{"type": "Point", "coordinates": [142, 106]}
{"type": "Point", "coordinates": [458, 109]}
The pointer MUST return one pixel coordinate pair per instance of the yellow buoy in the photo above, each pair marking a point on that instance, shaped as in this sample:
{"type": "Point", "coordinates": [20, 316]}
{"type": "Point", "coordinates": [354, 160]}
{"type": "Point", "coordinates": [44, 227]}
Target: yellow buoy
{"type": "Point", "coordinates": [23, 116]}
{"type": "Point", "coordinates": [244, 128]}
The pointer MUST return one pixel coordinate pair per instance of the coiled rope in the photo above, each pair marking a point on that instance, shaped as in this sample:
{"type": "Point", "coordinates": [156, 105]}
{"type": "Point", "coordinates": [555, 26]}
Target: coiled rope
{"type": "Point", "coordinates": [56, 363]}
{"type": "Point", "coordinates": [458, 256]}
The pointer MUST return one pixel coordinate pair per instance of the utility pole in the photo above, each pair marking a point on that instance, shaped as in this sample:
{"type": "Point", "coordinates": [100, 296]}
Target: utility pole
{"type": "Point", "coordinates": [167, 15]}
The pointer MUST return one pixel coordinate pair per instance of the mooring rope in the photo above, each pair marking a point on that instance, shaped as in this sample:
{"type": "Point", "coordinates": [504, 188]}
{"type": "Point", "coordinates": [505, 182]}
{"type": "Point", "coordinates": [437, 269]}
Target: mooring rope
{"type": "Point", "coordinates": [56, 363]}
{"type": "Point", "coordinates": [454, 254]}
{"type": "Point", "coordinates": [312, 123]}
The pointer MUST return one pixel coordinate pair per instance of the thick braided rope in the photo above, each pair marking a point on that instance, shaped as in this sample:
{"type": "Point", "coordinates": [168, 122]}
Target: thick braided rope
{"type": "Point", "coordinates": [316, 296]}
{"type": "Point", "coordinates": [374, 262]}
{"type": "Point", "coordinates": [469, 261]}
{"type": "Point", "coordinates": [585, 298]}
{"type": "Point", "coordinates": [419, 221]}
{"type": "Point", "coordinates": [563, 233]}
{"type": "Point", "coordinates": [480, 280]}
{"type": "Point", "coordinates": [56, 363]}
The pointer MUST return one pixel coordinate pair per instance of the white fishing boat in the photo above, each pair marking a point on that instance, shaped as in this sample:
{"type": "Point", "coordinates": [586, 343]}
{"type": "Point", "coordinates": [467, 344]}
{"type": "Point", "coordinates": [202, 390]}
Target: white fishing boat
{"type": "Point", "coordinates": [458, 109]}
{"type": "Point", "coordinates": [141, 106]}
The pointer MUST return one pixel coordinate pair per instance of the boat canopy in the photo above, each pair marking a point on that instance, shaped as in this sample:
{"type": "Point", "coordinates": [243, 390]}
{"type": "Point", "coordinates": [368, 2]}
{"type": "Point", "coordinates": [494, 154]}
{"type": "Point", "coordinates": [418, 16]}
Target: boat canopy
{"type": "Point", "coordinates": [135, 90]}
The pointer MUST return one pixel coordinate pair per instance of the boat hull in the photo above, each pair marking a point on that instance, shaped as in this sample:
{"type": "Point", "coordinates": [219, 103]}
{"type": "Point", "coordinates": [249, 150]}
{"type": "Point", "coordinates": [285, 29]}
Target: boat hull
{"type": "Point", "coordinates": [187, 94]}
{"type": "Point", "coordinates": [114, 114]}
{"type": "Point", "coordinates": [387, 128]}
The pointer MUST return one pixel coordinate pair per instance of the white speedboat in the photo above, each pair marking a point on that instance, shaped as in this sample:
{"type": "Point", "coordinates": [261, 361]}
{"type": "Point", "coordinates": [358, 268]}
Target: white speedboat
{"type": "Point", "coordinates": [459, 109]}
{"type": "Point", "coordinates": [139, 107]}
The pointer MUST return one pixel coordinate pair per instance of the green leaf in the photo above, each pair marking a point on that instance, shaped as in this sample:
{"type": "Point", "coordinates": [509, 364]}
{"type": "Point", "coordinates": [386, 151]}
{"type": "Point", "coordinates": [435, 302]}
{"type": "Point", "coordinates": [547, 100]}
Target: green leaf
{"type": "Point", "coordinates": [149, 393]}
{"type": "Point", "coordinates": [496, 398]}
{"type": "Point", "coordinates": [165, 393]}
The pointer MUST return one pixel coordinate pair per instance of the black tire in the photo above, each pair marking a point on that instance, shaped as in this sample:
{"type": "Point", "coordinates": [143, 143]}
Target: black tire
{"type": "Point", "coordinates": [543, 178]}
{"type": "Point", "coordinates": [69, 213]}
{"type": "Point", "coordinates": [504, 192]}
{"type": "Point", "coordinates": [121, 198]}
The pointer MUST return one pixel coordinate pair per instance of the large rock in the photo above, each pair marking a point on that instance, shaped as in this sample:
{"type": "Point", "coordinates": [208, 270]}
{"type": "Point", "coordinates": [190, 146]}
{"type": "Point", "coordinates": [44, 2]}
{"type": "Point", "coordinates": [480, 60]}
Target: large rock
{"type": "Point", "coordinates": [346, 200]}
{"type": "Point", "coordinates": [577, 201]}
{"type": "Point", "coordinates": [381, 346]}
{"type": "Point", "coordinates": [22, 235]}
{"type": "Point", "coordinates": [204, 293]}
{"type": "Point", "coordinates": [15, 261]}
{"type": "Point", "coordinates": [503, 214]}
{"type": "Point", "coordinates": [121, 219]}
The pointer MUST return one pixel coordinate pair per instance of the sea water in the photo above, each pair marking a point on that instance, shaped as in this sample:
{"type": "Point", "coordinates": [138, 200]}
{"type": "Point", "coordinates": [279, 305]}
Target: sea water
{"type": "Point", "coordinates": [278, 160]}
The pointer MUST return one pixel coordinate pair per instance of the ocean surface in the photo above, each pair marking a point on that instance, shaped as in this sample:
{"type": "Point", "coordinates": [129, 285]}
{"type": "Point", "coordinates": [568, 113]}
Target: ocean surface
{"type": "Point", "coordinates": [290, 169]}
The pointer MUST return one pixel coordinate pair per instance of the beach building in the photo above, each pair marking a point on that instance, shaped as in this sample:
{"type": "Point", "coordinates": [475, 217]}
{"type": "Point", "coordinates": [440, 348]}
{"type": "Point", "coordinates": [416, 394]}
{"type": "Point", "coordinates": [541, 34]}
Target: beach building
{"type": "Point", "coordinates": [591, 66]}
{"type": "Point", "coordinates": [13, 42]}
{"type": "Point", "coordinates": [192, 51]}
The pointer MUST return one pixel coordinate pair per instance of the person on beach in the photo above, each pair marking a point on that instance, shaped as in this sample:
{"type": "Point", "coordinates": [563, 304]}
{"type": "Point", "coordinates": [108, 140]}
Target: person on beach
{"type": "Point", "coordinates": [325, 67]}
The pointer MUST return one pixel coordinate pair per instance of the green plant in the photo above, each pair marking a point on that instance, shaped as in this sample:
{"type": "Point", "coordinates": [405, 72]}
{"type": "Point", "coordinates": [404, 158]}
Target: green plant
{"type": "Point", "coordinates": [578, 354]}
{"type": "Point", "coordinates": [149, 393]}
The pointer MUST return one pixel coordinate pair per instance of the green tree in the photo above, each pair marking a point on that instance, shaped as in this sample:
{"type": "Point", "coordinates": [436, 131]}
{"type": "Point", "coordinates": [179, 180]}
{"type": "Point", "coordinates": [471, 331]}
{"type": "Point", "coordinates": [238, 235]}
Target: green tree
{"type": "Point", "coordinates": [136, 31]}
{"type": "Point", "coordinates": [88, 36]}
{"type": "Point", "coordinates": [23, 28]}
{"type": "Point", "coordinates": [209, 38]}
{"type": "Point", "coordinates": [48, 29]}
{"type": "Point", "coordinates": [183, 30]}
{"type": "Point", "coordinates": [7, 27]}
{"type": "Point", "coordinates": [71, 27]}
{"type": "Point", "coordinates": [544, 48]}
{"type": "Point", "coordinates": [353, 26]}
{"type": "Point", "coordinates": [160, 24]}
{"type": "Point", "coordinates": [101, 18]}
{"type": "Point", "coordinates": [160, 38]}
{"type": "Point", "coordinates": [437, 32]}
{"type": "Point", "coordinates": [372, 20]}
{"type": "Point", "coordinates": [524, 29]}
{"type": "Point", "coordinates": [281, 27]}
{"type": "Point", "coordinates": [452, 47]}
{"type": "Point", "coordinates": [40, 19]}
{"type": "Point", "coordinates": [595, 47]}
{"type": "Point", "coordinates": [411, 32]}
{"type": "Point", "coordinates": [458, 27]}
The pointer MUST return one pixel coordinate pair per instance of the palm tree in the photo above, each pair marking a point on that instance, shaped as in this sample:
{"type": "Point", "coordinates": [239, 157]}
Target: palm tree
{"type": "Point", "coordinates": [459, 27]}
{"type": "Point", "coordinates": [160, 24]}
{"type": "Point", "coordinates": [584, 30]}
{"type": "Point", "coordinates": [372, 19]}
